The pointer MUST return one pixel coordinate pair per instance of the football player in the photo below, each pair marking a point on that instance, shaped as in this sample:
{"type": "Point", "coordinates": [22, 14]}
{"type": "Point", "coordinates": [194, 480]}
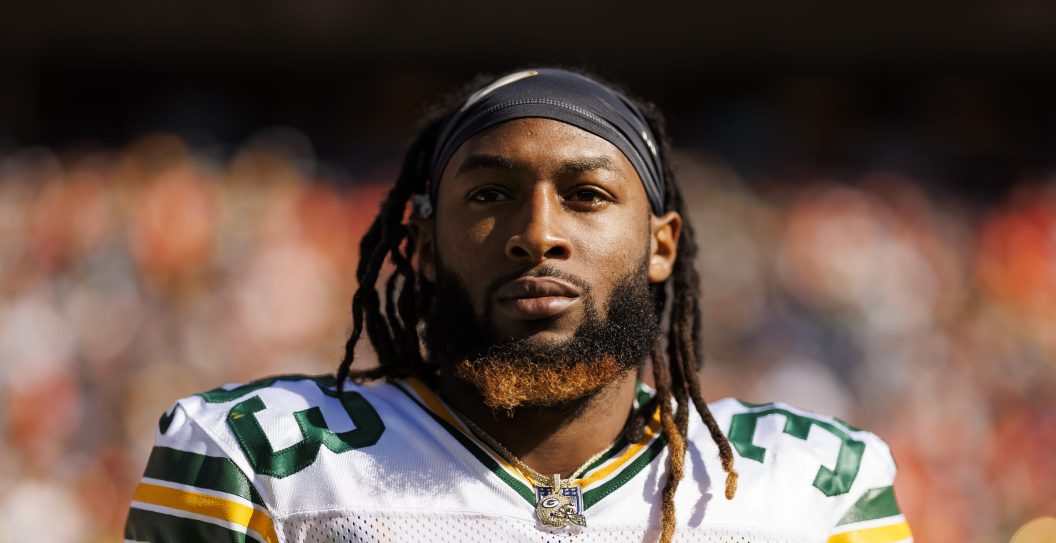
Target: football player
{"type": "Point", "coordinates": [542, 260]}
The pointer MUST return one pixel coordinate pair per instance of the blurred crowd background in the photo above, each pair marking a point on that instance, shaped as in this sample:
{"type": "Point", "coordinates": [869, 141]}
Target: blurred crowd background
{"type": "Point", "coordinates": [182, 195]}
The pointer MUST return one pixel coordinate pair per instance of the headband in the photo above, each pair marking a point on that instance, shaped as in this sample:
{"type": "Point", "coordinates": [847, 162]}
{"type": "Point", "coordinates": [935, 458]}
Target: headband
{"type": "Point", "coordinates": [562, 96]}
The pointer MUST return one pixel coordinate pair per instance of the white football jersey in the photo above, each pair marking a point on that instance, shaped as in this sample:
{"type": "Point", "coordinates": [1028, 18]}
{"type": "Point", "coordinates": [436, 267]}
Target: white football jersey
{"type": "Point", "coordinates": [288, 459]}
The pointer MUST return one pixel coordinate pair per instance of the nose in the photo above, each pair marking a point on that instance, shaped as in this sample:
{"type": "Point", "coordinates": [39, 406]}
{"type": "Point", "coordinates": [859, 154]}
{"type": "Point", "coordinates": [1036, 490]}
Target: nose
{"type": "Point", "coordinates": [540, 235]}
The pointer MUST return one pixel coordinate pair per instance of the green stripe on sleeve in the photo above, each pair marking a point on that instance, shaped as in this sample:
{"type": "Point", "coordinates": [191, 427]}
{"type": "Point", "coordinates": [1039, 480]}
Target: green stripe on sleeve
{"type": "Point", "coordinates": [208, 472]}
{"type": "Point", "coordinates": [154, 527]}
{"type": "Point", "coordinates": [875, 503]}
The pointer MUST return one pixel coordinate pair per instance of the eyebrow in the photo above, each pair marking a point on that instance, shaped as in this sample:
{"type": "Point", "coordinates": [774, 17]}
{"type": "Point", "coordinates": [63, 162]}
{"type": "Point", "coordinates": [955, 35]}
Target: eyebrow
{"type": "Point", "coordinates": [488, 162]}
{"type": "Point", "coordinates": [499, 162]}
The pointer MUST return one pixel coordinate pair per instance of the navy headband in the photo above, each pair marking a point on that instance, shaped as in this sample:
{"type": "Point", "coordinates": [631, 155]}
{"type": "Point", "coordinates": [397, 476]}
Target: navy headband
{"type": "Point", "coordinates": [563, 96]}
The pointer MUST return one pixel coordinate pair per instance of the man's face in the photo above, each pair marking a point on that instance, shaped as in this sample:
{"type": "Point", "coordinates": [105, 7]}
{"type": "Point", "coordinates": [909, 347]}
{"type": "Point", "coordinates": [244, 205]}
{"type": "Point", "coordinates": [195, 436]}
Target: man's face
{"type": "Point", "coordinates": [538, 223]}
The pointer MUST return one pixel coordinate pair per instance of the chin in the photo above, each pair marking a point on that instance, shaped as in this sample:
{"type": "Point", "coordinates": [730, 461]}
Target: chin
{"type": "Point", "coordinates": [541, 333]}
{"type": "Point", "coordinates": [545, 340]}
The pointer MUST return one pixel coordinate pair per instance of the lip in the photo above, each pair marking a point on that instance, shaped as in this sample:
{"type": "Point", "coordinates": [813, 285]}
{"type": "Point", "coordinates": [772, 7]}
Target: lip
{"type": "Point", "coordinates": [535, 298]}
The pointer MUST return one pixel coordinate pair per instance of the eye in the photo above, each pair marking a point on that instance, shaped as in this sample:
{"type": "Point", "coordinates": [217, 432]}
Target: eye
{"type": "Point", "coordinates": [588, 195]}
{"type": "Point", "coordinates": [488, 194]}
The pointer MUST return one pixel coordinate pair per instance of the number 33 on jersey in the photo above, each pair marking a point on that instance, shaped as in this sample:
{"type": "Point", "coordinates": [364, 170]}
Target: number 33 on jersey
{"type": "Point", "coordinates": [289, 459]}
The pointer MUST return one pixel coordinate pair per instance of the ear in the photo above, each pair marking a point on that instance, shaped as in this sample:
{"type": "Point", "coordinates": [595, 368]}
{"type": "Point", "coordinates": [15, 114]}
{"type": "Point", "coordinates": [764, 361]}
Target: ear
{"type": "Point", "coordinates": [421, 231]}
{"type": "Point", "coordinates": [663, 245]}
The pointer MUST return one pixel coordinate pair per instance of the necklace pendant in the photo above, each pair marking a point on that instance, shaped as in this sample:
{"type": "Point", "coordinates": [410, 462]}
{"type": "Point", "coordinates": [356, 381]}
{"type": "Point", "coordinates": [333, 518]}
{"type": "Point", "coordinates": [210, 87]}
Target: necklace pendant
{"type": "Point", "coordinates": [560, 507]}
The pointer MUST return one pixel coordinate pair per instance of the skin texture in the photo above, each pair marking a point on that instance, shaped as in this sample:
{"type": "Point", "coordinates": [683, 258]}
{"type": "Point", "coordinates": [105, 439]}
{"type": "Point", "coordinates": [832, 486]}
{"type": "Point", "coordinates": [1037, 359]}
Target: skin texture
{"type": "Point", "coordinates": [535, 193]}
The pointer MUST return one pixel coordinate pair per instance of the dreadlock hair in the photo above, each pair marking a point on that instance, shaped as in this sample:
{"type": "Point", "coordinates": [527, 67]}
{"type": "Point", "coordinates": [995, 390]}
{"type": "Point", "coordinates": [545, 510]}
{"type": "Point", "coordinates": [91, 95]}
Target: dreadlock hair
{"type": "Point", "coordinates": [394, 333]}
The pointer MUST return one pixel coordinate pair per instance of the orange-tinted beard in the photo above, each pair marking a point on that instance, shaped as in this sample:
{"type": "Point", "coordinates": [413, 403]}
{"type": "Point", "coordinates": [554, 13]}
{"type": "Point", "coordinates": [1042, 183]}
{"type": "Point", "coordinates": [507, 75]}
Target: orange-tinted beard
{"type": "Point", "coordinates": [510, 383]}
{"type": "Point", "coordinates": [511, 374]}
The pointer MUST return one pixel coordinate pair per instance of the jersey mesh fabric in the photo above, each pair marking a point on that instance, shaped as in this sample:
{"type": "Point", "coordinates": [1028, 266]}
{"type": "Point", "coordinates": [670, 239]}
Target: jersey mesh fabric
{"type": "Point", "coordinates": [454, 528]}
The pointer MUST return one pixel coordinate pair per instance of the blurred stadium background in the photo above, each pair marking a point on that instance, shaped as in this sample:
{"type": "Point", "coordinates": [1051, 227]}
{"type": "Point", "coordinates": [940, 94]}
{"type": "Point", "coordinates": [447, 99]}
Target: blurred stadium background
{"type": "Point", "coordinates": [183, 186]}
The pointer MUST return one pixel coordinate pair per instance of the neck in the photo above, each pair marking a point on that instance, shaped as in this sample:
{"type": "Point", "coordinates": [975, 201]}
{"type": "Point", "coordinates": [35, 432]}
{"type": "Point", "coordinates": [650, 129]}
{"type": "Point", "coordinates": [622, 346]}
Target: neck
{"type": "Point", "coordinates": [556, 439]}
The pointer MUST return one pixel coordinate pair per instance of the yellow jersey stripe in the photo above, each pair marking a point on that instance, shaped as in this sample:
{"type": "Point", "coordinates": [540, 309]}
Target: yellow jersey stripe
{"type": "Point", "coordinates": [879, 534]}
{"type": "Point", "coordinates": [210, 506]}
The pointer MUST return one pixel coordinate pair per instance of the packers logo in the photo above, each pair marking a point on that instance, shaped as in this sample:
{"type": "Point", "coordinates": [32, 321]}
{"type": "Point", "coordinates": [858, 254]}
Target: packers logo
{"type": "Point", "coordinates": [558, 511]}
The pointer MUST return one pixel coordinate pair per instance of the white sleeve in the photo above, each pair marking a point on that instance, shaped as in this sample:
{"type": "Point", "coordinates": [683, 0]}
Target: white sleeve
{"type": "Point", "coordinates": [192, 491]}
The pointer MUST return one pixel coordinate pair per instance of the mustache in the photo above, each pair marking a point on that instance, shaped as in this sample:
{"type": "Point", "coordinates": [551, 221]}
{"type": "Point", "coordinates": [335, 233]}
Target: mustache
{"type": "Point", "coordinates": [546, 270]}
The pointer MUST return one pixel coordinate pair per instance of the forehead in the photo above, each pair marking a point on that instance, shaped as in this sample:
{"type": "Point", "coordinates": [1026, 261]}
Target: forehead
{"type": "Point", "coordinates": [543, 145]}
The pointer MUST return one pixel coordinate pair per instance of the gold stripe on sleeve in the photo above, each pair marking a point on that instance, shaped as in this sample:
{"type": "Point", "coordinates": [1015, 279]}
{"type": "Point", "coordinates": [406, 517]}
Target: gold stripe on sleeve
{"type": "Point", "coordinates": [210, 506]}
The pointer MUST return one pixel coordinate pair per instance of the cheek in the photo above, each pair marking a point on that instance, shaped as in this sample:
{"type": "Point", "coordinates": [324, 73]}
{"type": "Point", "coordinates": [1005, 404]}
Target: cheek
{"type": "Point", "coordinates": [616, 245]}
{"type": "Point", "coordinates": [462, 236]}
{"type": "Point", "coordinates": [463, 248]}
{"type": "Point", "coordinates": [609, 253]}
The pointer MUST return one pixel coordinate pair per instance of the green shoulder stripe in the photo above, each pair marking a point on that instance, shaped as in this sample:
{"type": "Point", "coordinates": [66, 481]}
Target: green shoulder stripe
{"type": "Point", "coordinates": [152, 527]}
{"type": "Point", "coordinates": [208, 472]}
{"type": "Point", "coordinates": [874, 503]}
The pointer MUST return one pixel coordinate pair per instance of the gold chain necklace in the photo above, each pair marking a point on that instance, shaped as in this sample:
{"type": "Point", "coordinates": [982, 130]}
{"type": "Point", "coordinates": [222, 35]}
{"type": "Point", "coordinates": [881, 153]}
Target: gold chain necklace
{"type": "Point", "coordinates": [558, 501]}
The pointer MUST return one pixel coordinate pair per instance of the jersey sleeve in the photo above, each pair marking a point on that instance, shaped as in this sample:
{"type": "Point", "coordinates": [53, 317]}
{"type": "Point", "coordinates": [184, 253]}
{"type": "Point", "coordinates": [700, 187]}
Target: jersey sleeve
{"type": "Point", "coordinates": [869, 512]}
{"type": "Point", "coordinates": [192, 491]}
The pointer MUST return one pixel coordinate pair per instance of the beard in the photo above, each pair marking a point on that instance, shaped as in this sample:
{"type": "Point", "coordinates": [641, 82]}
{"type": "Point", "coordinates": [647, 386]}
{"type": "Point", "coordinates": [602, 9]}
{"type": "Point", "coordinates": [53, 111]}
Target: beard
{"type": "Point", "coordinates": [510, 373]}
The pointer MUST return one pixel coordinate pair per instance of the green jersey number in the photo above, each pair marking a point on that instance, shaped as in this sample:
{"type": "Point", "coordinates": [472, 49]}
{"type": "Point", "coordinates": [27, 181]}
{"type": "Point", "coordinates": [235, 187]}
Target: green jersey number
{"type": "Point", "coordinates": [314, 431]}
{"type": "Point", "coordinates": [830, 481]}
